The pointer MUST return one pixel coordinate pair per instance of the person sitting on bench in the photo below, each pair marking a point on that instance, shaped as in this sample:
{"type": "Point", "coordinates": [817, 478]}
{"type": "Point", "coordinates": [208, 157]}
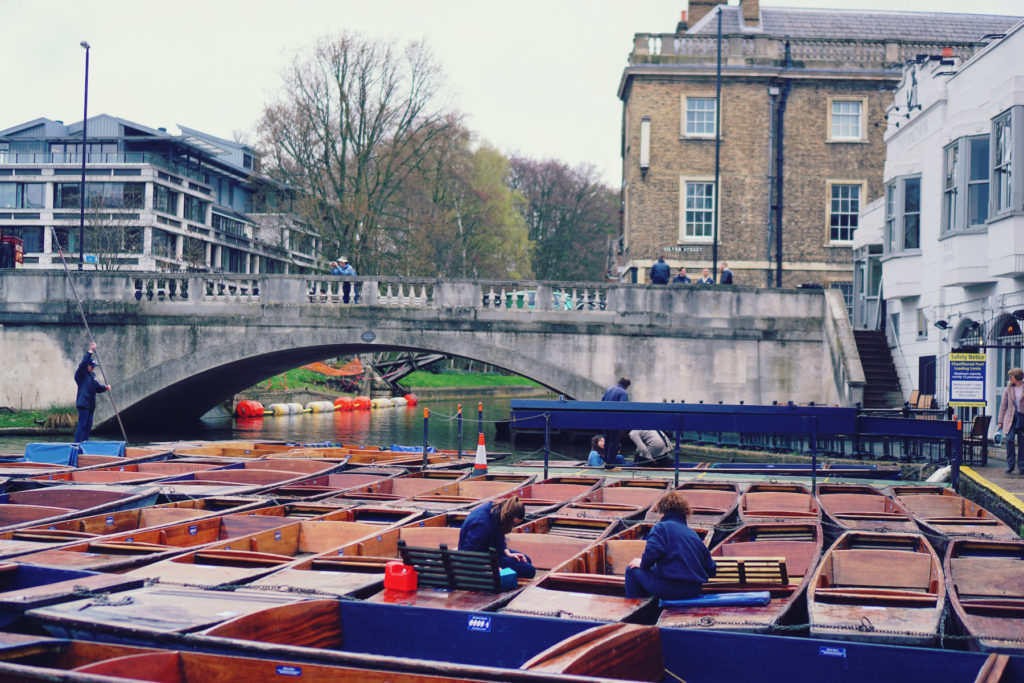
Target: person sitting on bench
{"type": "Point", "coordinates": [485, 528]}
{"type": "Point", "coordinates": [676, 563]}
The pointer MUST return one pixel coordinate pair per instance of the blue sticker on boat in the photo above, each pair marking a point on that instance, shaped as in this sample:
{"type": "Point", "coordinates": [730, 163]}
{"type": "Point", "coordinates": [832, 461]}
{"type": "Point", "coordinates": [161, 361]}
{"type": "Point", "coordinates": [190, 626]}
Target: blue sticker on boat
{"type": "Point", "coordinates": [130, 539]}
{"type": "Point", "coordinates": [478, 623]}
{"type": "Point", "coordinates": [830, 651]}
{"type": "Point", "coordinates": [193, 530]}
{"type": "Point", "coordinates": [53, 527]}
{"type": "Point", "coordinates": [110, 520]}
{"type": "Point", "coordinates": [277, 535]}
{"type": "Point", "coordinates": [380, 538]}
{"type": "Point", "coordinates": [341, 551]}
{"type": "Point", "coordinates": [285, 670]}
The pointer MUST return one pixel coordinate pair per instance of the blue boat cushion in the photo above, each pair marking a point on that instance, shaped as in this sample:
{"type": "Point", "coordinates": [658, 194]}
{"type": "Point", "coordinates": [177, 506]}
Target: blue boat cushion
{"type": "Point", "coordinates": [52, 453]}
{"type": "Point", "coordinates": [103, 448]}
{"type": "Point", "coordinates": [745, 599]}
{"type": "Point", "coordinates": [410, 449]}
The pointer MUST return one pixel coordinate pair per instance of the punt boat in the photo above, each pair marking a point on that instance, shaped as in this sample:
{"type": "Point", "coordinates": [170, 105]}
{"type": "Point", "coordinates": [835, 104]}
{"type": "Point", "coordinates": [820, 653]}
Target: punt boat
{"type": "Point", "coordinates": [859, 507]}
{"type": "Point", "coordinates": [545, 497]}
{"type": "Point", "coordinates": [397, 488]}
{"type": "Point", "coordinates": [778, 502]}
{"type": "Point", "coordinates": [623, 499]}
{"type": "Point", "coordinates": [985, 584]}
{"type": "Point", "coordinates": [247, 477]}
{"type": "Point", "coordinates": [24, 587]}
{"type": "Point", "coordinates": [711, 503]}
{"type": "Point", "coordinates": [944, 515]}
{"type": "Point", "coordinates": [885, 588]}
{"type": "Point", "coordinates": [590, 585]}
{"type": "Point", "coordinates": [573, 527]}
{"type": "Point", "coordinates": [466, 493]}
{"type": "Point", "coordinates": [54, 504]}
{"type": "Point", "coordinates": [798, 545]}
{"type": "Point", "coordinates": [125, 473]}
{"type": "Point", "coordinates": [77, 529]}
{"type": "Point", "coordinates": [412, 460]}
{"type": "Point", "coordinates": [328, 485]}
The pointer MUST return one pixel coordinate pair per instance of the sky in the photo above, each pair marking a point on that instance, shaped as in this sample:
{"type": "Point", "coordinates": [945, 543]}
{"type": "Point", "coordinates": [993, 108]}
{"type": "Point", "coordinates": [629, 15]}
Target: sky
{"type": "Point", "coordinates": [533, 77]}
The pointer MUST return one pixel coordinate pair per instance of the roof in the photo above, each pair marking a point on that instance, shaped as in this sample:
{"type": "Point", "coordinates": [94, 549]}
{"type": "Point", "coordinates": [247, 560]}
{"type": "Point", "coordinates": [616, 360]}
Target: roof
{"type": "Point", "coordinates": [927, 27]}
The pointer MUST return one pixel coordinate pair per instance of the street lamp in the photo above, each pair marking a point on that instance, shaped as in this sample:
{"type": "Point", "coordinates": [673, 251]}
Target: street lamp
{"type": "Point", "coordinates": [81, 190]}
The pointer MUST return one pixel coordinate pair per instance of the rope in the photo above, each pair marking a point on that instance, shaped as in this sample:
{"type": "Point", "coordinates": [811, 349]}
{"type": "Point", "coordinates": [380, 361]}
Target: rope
{"type": "Point", "coordinates": [85, 321]}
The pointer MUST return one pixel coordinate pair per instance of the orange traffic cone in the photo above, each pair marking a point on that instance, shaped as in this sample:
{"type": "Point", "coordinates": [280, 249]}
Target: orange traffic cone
{"type": "Point", "coordinates": [480, 464]}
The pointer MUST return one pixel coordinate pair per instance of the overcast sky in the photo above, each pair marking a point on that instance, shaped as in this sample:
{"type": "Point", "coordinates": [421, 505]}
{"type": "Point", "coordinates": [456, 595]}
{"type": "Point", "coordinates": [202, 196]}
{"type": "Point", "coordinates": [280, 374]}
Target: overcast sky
{"type": "Point", "coordinates": [537, 77]}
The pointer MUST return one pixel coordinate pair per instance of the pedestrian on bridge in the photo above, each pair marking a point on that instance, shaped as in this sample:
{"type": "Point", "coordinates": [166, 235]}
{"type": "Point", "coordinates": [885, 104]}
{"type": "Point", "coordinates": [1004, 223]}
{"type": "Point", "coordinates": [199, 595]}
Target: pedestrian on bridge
{"type": "Point", "coordinates": [613, 436]}
{"type": "Point", "coordinates": [346, 270]}
{"type": "Point", "coordinates": [88, 387]}
{"type": "Point", "coordinates": [726, 275]}
{"type": "Point", "coordinates": [660, 272]}
{"type": "Point", "coordinates": [1011, 419]}
{"type": "Point", "coordinates": [705, 277]}
{"type": "Point", "coordinates": [681, 277]}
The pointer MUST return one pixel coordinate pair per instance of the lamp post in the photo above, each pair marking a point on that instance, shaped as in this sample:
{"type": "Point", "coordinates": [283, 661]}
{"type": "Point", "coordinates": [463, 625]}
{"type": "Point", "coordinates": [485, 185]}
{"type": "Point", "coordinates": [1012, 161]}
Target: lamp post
{"type": "Point", "coordinates": [81, 190]}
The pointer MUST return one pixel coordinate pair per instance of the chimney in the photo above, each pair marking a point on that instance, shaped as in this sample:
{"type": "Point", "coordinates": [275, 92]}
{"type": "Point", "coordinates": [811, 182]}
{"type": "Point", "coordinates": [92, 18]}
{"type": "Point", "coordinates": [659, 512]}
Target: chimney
{"type": "Point", "coordinates": [699, 8]}
{"type": "Point", "coordinates": [751, 12]}
{"type": "Point", "coordinates": [682, 25]}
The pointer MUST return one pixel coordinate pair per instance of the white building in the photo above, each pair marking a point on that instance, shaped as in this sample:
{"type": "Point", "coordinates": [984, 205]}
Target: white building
{"type": "Point", "coordinates": [952, 238]}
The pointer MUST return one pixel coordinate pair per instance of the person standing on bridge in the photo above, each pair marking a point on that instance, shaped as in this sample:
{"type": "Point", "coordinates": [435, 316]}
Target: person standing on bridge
{"type": "Point", "coordinates": [88, 387]}
{"type": "Point", "coordinates": [660, 272]}
{"type": "Point", "coordinates": [1011, 419]}
{"type": "Point", "coordinates": [681, 277]}
{"type": "Point", "coordinates": [613, 436]}
{"type": "Point", "coordinates": [705, 277]}
{"type": "Point", "coordinates": [726, 275]}
{"type": "Point", "coordinates": [346, 270]}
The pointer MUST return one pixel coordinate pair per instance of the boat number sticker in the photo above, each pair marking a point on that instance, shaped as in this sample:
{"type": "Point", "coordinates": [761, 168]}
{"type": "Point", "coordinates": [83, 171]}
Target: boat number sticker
{"type": "Point", "coordinates": [53, 527]}
{"type": "Point", "coordinates": [478, 623]}
{"type": "Point", "coordinates": [193, 530]}
{"type": "Point", "coordinates": [421, 523]}
{"type": "Point", "coordinates": [277, 535]}
{"type": "Point", "coordinates": [380, 538]}
{"type": "Point", "coordinates": [285, 670]}
{"type": "Point", "coordinates": [829, 651]}
{"type": "Point", "coordinates": [130, 539]}
{"type": "Point", "coordinates": [341, 551]}
{"type": "Point", "coordinates": [110, 520]}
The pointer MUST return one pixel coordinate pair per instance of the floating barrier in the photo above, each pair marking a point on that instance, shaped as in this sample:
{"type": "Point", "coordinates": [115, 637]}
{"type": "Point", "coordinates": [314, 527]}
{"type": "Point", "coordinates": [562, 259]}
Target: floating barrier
{"type": "Point", "coordinates": [343, 403]}
{"type": "Point", "coordinates": [398, 401]}
{"type": "Point", "coordinates": [410, 399]}
{"type": "Point", "coordinates": [250, 409]}
{"type": "Point", "coordinates": [278, 408]}
{"type": "Point", "coordinates": [361, 403]}
{"type": "Point", "coordinates": [295, 408]}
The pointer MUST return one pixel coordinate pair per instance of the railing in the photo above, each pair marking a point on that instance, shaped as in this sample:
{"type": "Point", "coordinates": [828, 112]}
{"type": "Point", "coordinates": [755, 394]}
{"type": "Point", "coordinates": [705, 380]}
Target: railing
{"type": "Point", "coordinates": [43, 158]}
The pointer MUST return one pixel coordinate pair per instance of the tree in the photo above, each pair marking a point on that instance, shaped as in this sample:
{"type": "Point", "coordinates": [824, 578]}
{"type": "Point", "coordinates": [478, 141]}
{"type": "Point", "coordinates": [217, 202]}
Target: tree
{"type": "Point", "coordinates": [355, 120]}
{"type": "Point", "coordinates": [112, 233]}
{"type": "Point", "coordinates": [571, 215]}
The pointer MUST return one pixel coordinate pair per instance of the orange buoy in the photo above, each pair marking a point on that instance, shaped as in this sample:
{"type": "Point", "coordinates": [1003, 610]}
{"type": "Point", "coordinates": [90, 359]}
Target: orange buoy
{"type": "Point", "coordinates": [343, 403]}
{"type": "Point", "coordinates": [249, 409]}
{"type": "Point", "coordinates": [410, 399]}
{"type": "Point", "coordinates": [361, 403]}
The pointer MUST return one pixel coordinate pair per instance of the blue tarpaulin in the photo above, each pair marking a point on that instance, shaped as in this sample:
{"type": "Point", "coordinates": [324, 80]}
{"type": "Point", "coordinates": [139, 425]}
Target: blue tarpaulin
{"type": "Point", "coordinates": [103, 448]}
{"type": "Point", "coordinates": [52, 453]}
{"type": "Point", "coordinates": [721, 599]}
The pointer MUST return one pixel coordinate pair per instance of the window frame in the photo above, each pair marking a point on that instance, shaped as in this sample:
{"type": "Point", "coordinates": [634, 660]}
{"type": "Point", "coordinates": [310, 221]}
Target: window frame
{"type": "Point", "coordinates": [685, 119]}
{"type": "Point", "coordinates": [1014, 187]}
{"type": "Point", "coordinates": [895, 216]}
{"type": "Point", "coordinates": [957, 186]}
{"type": "Point", "coordinates": [682, 236]}
{"type": "Point", "coordinates": [862, 192]}
{"type": "Point", "coordinates": [862, 133]}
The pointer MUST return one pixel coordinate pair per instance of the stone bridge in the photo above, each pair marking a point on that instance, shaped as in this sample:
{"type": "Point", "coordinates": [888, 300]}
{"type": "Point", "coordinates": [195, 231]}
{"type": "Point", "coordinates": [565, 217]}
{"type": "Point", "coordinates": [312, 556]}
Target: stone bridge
{"type": "Point", "coordinates": [174, 346]}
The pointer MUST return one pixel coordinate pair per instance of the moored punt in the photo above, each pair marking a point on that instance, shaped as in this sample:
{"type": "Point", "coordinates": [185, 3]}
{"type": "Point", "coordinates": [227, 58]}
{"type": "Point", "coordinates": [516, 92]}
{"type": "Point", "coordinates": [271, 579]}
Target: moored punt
{"type": "Point", "coordinates": [466, 493]}
{"type": "Point", "coordinates": [944, 515]}
{"type": "Point", "coordinates": [370, 457]}
{"type": "Point", "coordinates": [573, 527]}
{"type": "Point", "coordinates": [885, 588]}
{"type": "Point", "coordinates": [120, 474]}
{"type": "Point", "coordinates": [780, 502]}
{"type": "Point", "coordinates": [985, 584]}
{"type": "Point", "coordinates": [358, 567]}
{"type": "Point", "coordinates": [544, 497]}
{"type": "Point", "coordinates": [397, 488]}
{"type": "Point", "coordinates": [24, 587]}
{"type": "Point", "coordinates": [639, 532]}
{"type": "Point", "coordinates": [33, 538]}
{"type": "Point", "coordinates": [797, 547]}
{"type": "Point", "coordinates": [53, 504]}
{"type": "Point", "coordinates": [328, 485]}
{"type": "Point", "coordinates": [859, 507]}
{"type": "Point", "coordinates": [232, 449]}
{"type": "Point", "coordinates": [622, 499]}
{"type": "Point", "coordinates": [251, 476]}
{"type": "Point", "coordinates": [711, 503]}
{"type": "Point", "coordinates": [591, 585]}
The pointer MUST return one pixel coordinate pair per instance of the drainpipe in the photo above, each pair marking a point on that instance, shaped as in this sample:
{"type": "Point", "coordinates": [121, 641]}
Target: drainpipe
{"type": "Point", "coordinates": [718, 147]}
{"type": "Point", "coordinates": [780, 118]}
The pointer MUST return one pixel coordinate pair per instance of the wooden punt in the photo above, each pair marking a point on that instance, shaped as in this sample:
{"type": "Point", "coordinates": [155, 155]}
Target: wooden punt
{"type": "Point", "coordinates": [251, 476]}
{"type": "Point", "coordinates": [573, 527]}
{"type": "Point", "coordinates": [252, 556]}
{"type": "Point", "coordinates": [859, 507]}
{"type": "Point", "coordinates": [545, 497]}
{"type": "Point", "coordinates": [944, 515]}
{"type": "Point", "coordinates": [590, 585]}
{"type": "Point", "coordinates": [53, 504]}
{"type": "Point", "coordinates": [798, 547]}
{"type": "Point", "coordinates": [623, 499]}
{"type": "Point", "coordinates": [371, 457]}
{"type": "Point", "coordinates": [985, 584]}
{"type": "Point", "coordinates": [131, 473]}
{"type": "Point", "coordinates": [467, 493]}
{"type": "Point", "coordinates": [627, 651]}
{"type": "Point", "coordinates": [640, 530]}
{"type": "Point", "coordinates": [232, 449]}
{"type": "Point", "coordinates": [34, 538]}
{"type": "Point", "coordinates": [397, 488]}
{"type": "Point", "coordinates": [357, 567]}
{"type": "Point", "coordinates": [711, 503]}
{"type": "Point", "coordinates": [779, 502]}
{"type": "Point", "coordinates": [328, 485]}
{"type": "Point", "coordinates": [24, 587]}
{"type": "Point", "coordinates": [884, 588]}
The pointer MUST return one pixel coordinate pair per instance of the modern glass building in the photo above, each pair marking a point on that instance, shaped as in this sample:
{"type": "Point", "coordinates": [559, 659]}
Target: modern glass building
{"type": "Point", "coordinates": [154, 201]}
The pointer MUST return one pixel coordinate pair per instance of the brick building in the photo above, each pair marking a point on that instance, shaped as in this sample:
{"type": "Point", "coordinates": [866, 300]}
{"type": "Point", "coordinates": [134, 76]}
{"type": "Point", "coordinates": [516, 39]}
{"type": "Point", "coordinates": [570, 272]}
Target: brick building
{"type": "Point", "coordinates": [804, 98]}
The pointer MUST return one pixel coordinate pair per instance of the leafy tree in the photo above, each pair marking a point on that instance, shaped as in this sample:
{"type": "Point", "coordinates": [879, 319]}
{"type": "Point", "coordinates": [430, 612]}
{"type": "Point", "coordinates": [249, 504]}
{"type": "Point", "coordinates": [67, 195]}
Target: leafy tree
{"type": "Point", "coordinates": [354, 121]}
{"type": "Point", "coordinates": [571, 215]}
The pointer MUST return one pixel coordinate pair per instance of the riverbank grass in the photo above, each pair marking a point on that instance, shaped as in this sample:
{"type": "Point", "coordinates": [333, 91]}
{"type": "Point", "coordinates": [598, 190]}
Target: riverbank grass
{"type": "Point", "coordinates": [58, 419]}
{"type": "Point", "coordinates": [422, 378]}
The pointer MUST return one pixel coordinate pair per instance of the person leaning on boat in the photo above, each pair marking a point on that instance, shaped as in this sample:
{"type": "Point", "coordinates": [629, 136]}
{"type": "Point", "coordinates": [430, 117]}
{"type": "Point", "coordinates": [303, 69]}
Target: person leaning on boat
{"type": "Point", "coordinates": [485, 528]}
{"type": "Point", "coordinates": [1011, 418]}
{"type": "Point", "coordinates": [676, 563]}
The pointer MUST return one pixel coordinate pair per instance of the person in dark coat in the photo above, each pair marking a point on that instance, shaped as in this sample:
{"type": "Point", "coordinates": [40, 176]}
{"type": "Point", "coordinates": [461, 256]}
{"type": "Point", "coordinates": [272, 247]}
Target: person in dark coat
{"type": "Point", "coordinates": [613, 437]}
{"type": "Point", "coordinates": [681, 277]}
{"type": "Point", "coordinates": [676, 563]}
{"type": "Point", "coordinates": [726, 275]}
{"type": "Point", "coordinates": [485, 528]}
{"type": "Point", "coordinates": [88, 387]}
{"type": "Point", "coordinates": [660, 272]}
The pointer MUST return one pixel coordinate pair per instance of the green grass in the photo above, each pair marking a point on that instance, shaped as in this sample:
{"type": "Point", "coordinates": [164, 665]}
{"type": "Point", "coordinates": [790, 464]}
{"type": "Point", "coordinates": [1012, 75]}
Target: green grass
{"type": "Point", "coordinates": [37, 418]}
{"type": "Point", "coordinates": [422, 378]}
{"type": "Point", "coordinates": [298, 378]}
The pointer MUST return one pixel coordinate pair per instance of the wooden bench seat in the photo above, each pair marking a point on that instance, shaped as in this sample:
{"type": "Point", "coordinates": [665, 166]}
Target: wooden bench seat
{"type": "Point", "coordinates": [750, 571]}
{"type": "Point", "coordinates": [453, 569]}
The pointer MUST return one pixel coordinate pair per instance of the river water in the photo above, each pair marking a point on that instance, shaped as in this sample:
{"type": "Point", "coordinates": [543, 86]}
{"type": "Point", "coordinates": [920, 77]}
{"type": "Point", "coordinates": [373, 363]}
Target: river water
{"type": "Point", "coordinates": [384, 426]}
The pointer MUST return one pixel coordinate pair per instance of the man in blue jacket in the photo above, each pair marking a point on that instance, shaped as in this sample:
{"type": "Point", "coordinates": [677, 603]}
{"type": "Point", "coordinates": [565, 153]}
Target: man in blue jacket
{"type": "Point", "coordinates": [88, 387]}
{"type": "Point", "coordinates": [612, 437]}
{"type": "Point", "coordinates": [676, 564]}
{"type": "Point", "coordinates": [660, 272]}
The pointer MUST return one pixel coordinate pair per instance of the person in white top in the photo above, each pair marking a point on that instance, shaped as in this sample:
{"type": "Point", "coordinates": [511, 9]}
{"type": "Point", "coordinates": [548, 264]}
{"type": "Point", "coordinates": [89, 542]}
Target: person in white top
{"type": "Point", "coordinates": [1011, 418]}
